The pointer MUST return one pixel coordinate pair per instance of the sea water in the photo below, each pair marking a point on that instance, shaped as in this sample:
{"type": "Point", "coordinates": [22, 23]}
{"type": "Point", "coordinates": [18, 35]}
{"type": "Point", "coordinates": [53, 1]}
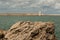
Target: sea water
{"type": "Point", "coordinates": [7, 21]}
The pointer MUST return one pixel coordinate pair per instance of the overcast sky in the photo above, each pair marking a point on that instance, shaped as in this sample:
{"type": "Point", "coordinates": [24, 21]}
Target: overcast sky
{"type": "Point", "coordinates": [44, 6]}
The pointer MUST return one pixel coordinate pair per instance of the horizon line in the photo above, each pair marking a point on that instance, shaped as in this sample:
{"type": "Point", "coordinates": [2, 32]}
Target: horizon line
{"type": "Point", "coordinates": [27, 14]}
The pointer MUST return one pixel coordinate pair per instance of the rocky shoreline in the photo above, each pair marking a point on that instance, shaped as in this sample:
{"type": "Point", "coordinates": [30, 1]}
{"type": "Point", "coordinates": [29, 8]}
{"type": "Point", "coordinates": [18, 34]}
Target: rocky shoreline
{"type": "Point", "coordinates": [29, 31]}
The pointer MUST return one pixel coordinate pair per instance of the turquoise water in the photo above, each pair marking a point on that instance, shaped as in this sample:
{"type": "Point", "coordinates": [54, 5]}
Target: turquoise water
{"type": "Point", "coordinates": [7, 21]}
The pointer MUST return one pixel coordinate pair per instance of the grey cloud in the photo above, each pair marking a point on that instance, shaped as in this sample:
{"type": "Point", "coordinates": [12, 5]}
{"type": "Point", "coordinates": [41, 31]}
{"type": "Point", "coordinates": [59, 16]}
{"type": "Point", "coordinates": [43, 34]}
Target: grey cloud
{"type": "Point", "coordinates": [25, 5]}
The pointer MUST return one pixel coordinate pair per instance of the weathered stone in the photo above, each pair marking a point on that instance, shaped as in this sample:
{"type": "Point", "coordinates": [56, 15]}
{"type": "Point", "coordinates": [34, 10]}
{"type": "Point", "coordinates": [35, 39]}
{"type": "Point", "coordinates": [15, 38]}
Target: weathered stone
{"type": "Point", "coordinates": [2, 34]}
{"type": "Point", "coordinates": [31, 31]}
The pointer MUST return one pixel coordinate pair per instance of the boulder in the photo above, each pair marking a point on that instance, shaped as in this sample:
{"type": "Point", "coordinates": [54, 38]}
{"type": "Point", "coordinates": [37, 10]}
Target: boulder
{"type": "Point", "coordinates": [2, 34]}
{"type": "Point", "coordinates": [31, 31]}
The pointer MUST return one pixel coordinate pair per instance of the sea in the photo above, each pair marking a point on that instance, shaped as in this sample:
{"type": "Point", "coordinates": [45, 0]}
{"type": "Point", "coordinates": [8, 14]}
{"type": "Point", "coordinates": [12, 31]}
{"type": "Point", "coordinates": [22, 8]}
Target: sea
{"type": "Point", "coordinates": [7, 21]}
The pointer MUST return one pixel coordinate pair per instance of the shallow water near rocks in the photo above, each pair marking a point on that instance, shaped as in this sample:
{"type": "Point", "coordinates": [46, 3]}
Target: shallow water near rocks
{"type": "Point", "coordinates": [7, 21]}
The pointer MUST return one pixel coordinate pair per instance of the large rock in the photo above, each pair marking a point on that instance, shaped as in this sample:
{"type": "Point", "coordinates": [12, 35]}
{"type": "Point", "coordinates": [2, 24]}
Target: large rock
{"type": "Point", "coordinates": [2, 34]}
{"type": "Point", "coordinates": [31, 31]}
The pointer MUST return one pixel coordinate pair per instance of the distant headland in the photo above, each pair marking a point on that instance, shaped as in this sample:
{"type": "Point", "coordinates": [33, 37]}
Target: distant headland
{"type": "Point", "coordinates": [27, 14]}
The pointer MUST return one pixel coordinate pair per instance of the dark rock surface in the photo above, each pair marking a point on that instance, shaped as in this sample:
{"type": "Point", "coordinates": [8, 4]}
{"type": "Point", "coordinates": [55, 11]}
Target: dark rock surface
{"type": "Point", "coordinates": [31, 31]}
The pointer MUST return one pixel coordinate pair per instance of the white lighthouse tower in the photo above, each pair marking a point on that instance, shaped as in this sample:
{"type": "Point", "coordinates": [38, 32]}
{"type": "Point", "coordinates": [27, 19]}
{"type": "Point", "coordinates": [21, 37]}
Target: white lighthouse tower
{"type": "Point", "coordinates": [40, 13]}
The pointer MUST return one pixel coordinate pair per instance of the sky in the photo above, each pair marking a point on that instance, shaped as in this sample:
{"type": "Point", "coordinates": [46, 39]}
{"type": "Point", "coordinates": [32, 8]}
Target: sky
{"type": "Point", "coordinates": [44, 6]}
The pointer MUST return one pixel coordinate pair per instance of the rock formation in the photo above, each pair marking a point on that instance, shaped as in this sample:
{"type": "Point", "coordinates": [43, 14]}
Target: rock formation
{"type": "Point", "coordinates": [2, 34]}
{"type": "Point", "coordinates": [31, 31]}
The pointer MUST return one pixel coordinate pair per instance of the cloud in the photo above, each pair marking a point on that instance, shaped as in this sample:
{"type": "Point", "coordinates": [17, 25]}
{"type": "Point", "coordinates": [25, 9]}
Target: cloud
{"type": "Point", "coordinates": [26, 3]}
{"type": "Point", "coordinates": [57, 5]}
{"type": "Point", "coordinates": [36, 5]}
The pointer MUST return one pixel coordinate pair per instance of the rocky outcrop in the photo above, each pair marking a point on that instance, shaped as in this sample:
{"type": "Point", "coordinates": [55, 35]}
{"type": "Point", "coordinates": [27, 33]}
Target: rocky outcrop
{"type": "Point", "coordinates": [2, 34]}
{"type": "Point", "coordinates": [31, 31]}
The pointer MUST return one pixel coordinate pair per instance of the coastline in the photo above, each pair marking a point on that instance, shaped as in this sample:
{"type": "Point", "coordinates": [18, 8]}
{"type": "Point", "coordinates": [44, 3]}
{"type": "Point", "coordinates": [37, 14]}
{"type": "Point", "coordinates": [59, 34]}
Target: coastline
{"type": "Point", "coordinates": [27, 14]}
